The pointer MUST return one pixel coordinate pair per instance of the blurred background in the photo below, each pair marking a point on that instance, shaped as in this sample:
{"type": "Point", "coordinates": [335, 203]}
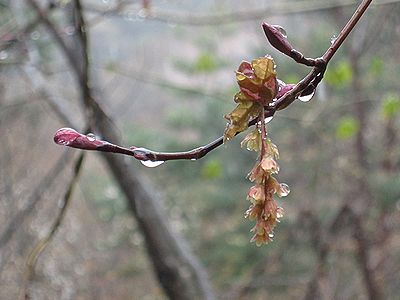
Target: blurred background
{"type": "Point", "coordinates": [163, 73]}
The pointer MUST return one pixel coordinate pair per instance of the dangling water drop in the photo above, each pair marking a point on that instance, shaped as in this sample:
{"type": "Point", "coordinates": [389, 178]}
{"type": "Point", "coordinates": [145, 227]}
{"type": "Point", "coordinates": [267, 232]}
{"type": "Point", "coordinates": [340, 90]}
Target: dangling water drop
{"type": "Point", "coordinates": [3, 55]}
{"type": "Point", "coordinates": [142, 13]}
{"type": "Point", "coordinates": [284, 190]}
{"type": "Point", "coordinates": [62, 142]}
{"type": "Point", "coordinates": [193, 159]}
{"type": "Point", "coordinates": [268, 119]}
{"type": "Point", "coordinates": [306, 98]}
{"type": "Point", "coordinates": [151, 164]}
{"type": "Point", "coordinates": [91, 137]}
{"type": "Point", "coordinates": [130, 16]}
{"type": "Point", "coordinates": [35, 35]}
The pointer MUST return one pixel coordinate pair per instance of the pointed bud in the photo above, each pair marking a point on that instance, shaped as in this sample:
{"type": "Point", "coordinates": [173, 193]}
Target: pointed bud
{"type": "Point", "coordinates": [277, 38]}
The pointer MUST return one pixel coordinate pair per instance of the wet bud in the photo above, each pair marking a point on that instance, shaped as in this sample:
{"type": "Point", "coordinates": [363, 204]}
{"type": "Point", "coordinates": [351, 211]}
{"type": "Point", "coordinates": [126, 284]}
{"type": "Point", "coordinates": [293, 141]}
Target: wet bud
{"type": "Point", "coordinates": [277, 38]}
{"type": "Point", "coordinates": [71, 138]}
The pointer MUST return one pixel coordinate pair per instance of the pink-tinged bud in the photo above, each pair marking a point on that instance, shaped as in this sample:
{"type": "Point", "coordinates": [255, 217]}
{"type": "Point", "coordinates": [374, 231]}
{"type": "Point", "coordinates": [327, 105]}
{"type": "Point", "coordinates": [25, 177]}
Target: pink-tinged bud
{"type": "Point", "coordinates": [71, 138]}
{"type": "Point", "coordinates": [283, 89]}
{"type": "Point", "coordinates": [277, 38]}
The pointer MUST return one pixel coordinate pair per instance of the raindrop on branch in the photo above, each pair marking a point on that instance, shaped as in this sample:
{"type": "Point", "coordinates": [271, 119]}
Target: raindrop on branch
{"type": "Point", "coordinates": [151, 164]}
{"type": "Point", "coordinates": [268, 119]}
{"type": "Point", "coordinates": [333, 39]}
{"type": "Point", "coordinates": [281, 30]}
{"type": "Point", "coordinates": [306, 98]}
{"type": "Point", "coordinates": [91, 137]}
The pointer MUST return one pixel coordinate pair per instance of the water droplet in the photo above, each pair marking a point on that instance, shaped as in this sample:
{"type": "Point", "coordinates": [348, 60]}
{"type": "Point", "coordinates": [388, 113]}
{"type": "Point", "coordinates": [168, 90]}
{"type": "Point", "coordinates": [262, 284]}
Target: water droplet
{"type": "Point", "coordinates": [171, 24]}
{"type": "Point", "coordinates": [62, 142]}
{"type": "Point", "coordinates": [3, 55]}
{"type": "Point", "coordinates": [69, 30]}
{"type": "Point", "coordinates": [193, 159]}
{"type": "Point", "coordinates": [271, 235]}
{"type": "Point", "coordinates": [142, 13]}
{"type": "Point", "coordinates": [151, 164]}
{"type": "Point", "coordinates": [333, 39]}
{"type": "Point", "coordinates": [130, 16]}
{"type": "Point", "coordinates": [91, 137]}
{"type": "Point", "coordinates": [268, 119]}
{"type": "Point", "coordinates": [306, 98]}
{"type": "Point", "coordinates": [35, 35]}
{"type": "Point", "coordinates": [284, 190]}
{"type": "Point", "coordinates": [281, 30]}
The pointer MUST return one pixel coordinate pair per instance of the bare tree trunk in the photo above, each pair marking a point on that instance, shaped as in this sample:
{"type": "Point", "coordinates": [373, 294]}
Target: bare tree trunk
{"type": "Point", "coordinates": [363, 188]}
{"type": "Point", "coordinates": [178, 270]}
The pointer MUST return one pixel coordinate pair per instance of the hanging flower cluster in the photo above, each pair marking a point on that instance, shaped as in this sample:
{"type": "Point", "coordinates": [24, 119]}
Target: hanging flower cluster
{"type": "Point", "coordinates": [258, 88]}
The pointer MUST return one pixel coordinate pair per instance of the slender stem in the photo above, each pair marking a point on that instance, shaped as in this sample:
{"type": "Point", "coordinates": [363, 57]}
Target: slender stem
{"type": "Point", "coordinates": [346, 30]}
{"type": "Point", "coordinates": [263, 133]}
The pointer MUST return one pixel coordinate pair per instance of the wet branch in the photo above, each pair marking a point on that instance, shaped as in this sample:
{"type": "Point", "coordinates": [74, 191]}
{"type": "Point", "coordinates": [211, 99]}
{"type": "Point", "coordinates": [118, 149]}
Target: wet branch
{"type": "Point", "coordinates": [305, 87]}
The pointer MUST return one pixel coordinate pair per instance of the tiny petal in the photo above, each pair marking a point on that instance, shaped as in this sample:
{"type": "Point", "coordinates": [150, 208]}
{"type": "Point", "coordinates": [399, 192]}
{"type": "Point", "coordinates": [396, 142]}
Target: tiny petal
{"type": "Point", "coordinates": [269, 164]}
{"type": "Point", "coordinates": [256, 194]}
{"type": "Point", "coordinates": [252, 141]}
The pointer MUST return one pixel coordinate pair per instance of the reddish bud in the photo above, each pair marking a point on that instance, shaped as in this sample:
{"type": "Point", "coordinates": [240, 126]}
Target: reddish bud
{"type": "Point", "coordinates": [71, 138]}
{"type": "Point", "coordinates": [277, 38]}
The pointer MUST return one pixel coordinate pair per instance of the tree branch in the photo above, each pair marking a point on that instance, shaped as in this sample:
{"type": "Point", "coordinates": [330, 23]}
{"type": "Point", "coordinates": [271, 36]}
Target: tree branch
{"type": "Point", "coordinates": [304, 87]}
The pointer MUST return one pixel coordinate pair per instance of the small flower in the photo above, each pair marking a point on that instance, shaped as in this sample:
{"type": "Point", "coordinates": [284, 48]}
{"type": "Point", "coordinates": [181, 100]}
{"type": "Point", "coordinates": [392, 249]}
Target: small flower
{"type": "Point", "coordinates": [254, 212]}
{"type": "Point", "coordinates": [268, 164]}
{"type": "Point", "coordinates": [260, 239]}
{"type": "Point", "coordinates": [270, 209]}
{"type": "Point", "coordinates": [256, 194]}
{"type": "Point", "coordinates": [257, 174]}
{"type": "Point", "coordinates": [252, 141]}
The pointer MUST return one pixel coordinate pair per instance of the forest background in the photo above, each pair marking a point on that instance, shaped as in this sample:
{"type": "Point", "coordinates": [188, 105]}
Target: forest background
{"type": "Point", "coordinates": [164, 76]}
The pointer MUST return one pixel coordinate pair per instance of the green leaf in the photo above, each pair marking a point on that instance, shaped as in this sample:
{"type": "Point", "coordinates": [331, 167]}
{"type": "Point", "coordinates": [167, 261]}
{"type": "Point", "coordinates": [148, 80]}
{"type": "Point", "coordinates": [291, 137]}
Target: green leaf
{"type": "Point", "coordinates": [211, 169]}
{"type": "Point", "coordinates": [390, 105]}
{"type": "Point", "coordinates": [339, 75]}
{"type": "Point", "coordinates": [376, 66]}
{"type": "Point", "coordinates": [346, 128]}
{"type": "Point", "coordinates": [205, 62]}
